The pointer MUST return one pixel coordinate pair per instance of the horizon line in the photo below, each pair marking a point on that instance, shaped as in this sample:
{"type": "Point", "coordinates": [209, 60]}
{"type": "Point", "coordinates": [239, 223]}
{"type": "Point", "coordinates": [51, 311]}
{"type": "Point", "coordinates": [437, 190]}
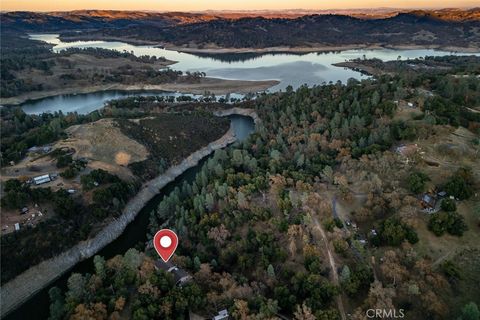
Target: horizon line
{"type": "Point", "coordinates": [253, 10]}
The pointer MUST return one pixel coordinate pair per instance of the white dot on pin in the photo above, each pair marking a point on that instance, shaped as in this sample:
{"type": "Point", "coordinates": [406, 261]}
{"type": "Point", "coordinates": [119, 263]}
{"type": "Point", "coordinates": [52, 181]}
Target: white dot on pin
{"type": "Point", "coordinates": [165, 241]}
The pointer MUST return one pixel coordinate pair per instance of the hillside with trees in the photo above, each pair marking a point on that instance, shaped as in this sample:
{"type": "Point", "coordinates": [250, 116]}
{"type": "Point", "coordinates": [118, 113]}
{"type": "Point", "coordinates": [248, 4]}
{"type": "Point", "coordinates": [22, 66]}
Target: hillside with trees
{"type": "Point", "coordinates": [321, 212]}
{"type": "Point", "coordinates": [417, 28]}
{"type": "Point", "coordinates": [76, 215]}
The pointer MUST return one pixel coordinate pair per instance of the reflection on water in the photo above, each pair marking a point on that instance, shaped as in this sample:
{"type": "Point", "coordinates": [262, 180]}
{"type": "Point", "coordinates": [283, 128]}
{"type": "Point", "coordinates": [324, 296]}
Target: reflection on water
{"type": "Point", "coordinates": [248, 68]}
{"type": "Point", "coordinates": [81, 103]}
{"type": "Point", "coordinates": [84, 103]}
{"type": "Point", "coordinates": [241, 56]}
{"type": "Point", "coordinates": [293, 71]}
{"type": "Point", "coordinates": [242, 126]}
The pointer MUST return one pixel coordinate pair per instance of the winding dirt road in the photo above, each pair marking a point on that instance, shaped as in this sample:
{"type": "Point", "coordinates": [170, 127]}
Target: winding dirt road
{"type": "Point", "coordinates": [333, 266]}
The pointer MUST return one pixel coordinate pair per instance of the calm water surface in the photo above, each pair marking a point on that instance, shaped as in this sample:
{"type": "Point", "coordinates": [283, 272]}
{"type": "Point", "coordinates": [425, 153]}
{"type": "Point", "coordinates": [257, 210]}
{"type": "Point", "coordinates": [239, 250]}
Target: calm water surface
{"type": "Point", "coordinates": [290, 69]}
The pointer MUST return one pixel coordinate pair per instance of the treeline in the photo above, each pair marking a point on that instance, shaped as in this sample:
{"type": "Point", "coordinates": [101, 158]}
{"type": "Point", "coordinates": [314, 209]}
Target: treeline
{"type": "Point", "coordinates": [103, 53]}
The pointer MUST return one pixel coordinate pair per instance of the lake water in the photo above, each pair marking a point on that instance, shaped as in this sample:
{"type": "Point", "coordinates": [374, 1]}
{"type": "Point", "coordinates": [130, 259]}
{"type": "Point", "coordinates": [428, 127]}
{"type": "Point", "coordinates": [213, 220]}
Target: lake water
{"type": "Point", "coordinates": [288, 68]}
{"type": "Point", "coordinates": [84, 103]}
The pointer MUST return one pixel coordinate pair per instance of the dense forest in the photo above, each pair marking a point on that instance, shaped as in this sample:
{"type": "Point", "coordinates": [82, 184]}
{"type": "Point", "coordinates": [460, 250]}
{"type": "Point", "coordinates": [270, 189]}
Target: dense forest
{"type": "Point", "coordinates": [257, 222]}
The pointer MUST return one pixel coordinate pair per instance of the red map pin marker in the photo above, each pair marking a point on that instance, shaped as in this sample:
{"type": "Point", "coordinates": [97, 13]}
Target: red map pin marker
{"type": "Point", "coordinates": [165, 242]}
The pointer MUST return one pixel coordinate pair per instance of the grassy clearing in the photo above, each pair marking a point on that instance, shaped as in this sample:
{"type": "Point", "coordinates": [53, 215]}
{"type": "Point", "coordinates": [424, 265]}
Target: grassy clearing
{"type": "Point", "coordinates": [447, 246]}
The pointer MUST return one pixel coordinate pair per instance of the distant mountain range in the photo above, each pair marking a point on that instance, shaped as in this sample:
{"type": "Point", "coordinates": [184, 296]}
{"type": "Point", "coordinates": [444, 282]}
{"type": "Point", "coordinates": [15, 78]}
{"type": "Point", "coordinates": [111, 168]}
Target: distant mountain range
{"type": "Point", "coordinates": [261, 29]}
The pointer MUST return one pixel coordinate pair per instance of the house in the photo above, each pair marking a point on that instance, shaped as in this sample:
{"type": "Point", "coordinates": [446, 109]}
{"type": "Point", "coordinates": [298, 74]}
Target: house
{"type": "Point", "coordinates": [428, 201]}
{"type": "Point", "coordinates": [222, 314]}
{"type": "Point", "coordinates": [24, 210]}
{"type": "Point", "coordinates": [181, 276]}
{"type": "Point", "coordinates": [17, 226]}
{"type": "Point", "coordinates": [42, 179]}
{"type": "Point", "coordinates": [442, 194]}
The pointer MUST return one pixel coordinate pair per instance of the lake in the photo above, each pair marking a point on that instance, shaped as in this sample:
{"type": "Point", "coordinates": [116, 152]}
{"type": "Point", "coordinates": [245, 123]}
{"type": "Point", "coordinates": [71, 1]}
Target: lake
{"type": "Point", "coordinates": [289, 68]}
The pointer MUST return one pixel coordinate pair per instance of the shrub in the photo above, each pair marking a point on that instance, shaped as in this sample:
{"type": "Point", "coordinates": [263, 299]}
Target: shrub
{"type": "Point", "coordinates": [460, 184]}
{"type": "Point", "coordinates": [417, 182]}
{"type": "Point", "coordinates": [448, 205]}
{"type": "Point", "coordinates": [393, 232]}
{"type": "Point", "coordinates": [450, 222]}
{"type": "Point", "coordinates": [63, 161]}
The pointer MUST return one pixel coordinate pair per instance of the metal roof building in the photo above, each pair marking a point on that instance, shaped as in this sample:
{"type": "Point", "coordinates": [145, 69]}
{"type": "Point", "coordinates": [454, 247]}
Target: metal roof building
{"type": "Point", "coordinates": [42, 179]}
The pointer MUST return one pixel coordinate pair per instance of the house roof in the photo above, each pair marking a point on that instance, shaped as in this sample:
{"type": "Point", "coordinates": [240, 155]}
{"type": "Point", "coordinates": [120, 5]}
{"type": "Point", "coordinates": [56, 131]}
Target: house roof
{"type": "Point", "coordinates": [427, 198]}
{"type": "Point", "coordinates": [162, 265]}
{"type": "Point", "coordinates": [179, 275]}
{"type": "Point", "coordinates": [42, 177]}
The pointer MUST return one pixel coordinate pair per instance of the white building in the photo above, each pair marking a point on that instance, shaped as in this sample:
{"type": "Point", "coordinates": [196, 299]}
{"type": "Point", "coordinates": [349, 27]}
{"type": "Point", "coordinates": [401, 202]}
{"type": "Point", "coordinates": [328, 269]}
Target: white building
{"type": "Point", "coordinates": [222, 315]}
{"type": "Point", "coordinates": [42, 179]}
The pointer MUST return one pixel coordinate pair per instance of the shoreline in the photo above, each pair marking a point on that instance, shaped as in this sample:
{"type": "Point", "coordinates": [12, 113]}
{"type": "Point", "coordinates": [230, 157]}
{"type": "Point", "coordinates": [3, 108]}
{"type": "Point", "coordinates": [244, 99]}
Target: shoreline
{"type": "Point", "coordinates": [21, 288]}
{"type": "Point", "coordinates": [370, 71]}
{"type": "Point", "coordinates": [212, 85]}
{"type": "Point", "coordinates": [213, 49]}
{"type": "Point", "coordinates": [321, 49]}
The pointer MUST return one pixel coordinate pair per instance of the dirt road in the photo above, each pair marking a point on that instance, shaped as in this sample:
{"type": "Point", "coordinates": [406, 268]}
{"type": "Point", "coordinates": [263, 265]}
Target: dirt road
{"type": "Point", "coordinates": [331, 260]}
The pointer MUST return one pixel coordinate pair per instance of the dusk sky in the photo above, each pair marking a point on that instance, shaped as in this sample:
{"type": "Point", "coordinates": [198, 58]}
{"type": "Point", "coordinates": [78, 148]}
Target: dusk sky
{"type": "Point", "coordinates": [197, 5]}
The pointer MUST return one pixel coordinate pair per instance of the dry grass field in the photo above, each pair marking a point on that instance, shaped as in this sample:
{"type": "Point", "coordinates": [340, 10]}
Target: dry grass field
{"type": "Point", "coordinates": [104, 145]}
